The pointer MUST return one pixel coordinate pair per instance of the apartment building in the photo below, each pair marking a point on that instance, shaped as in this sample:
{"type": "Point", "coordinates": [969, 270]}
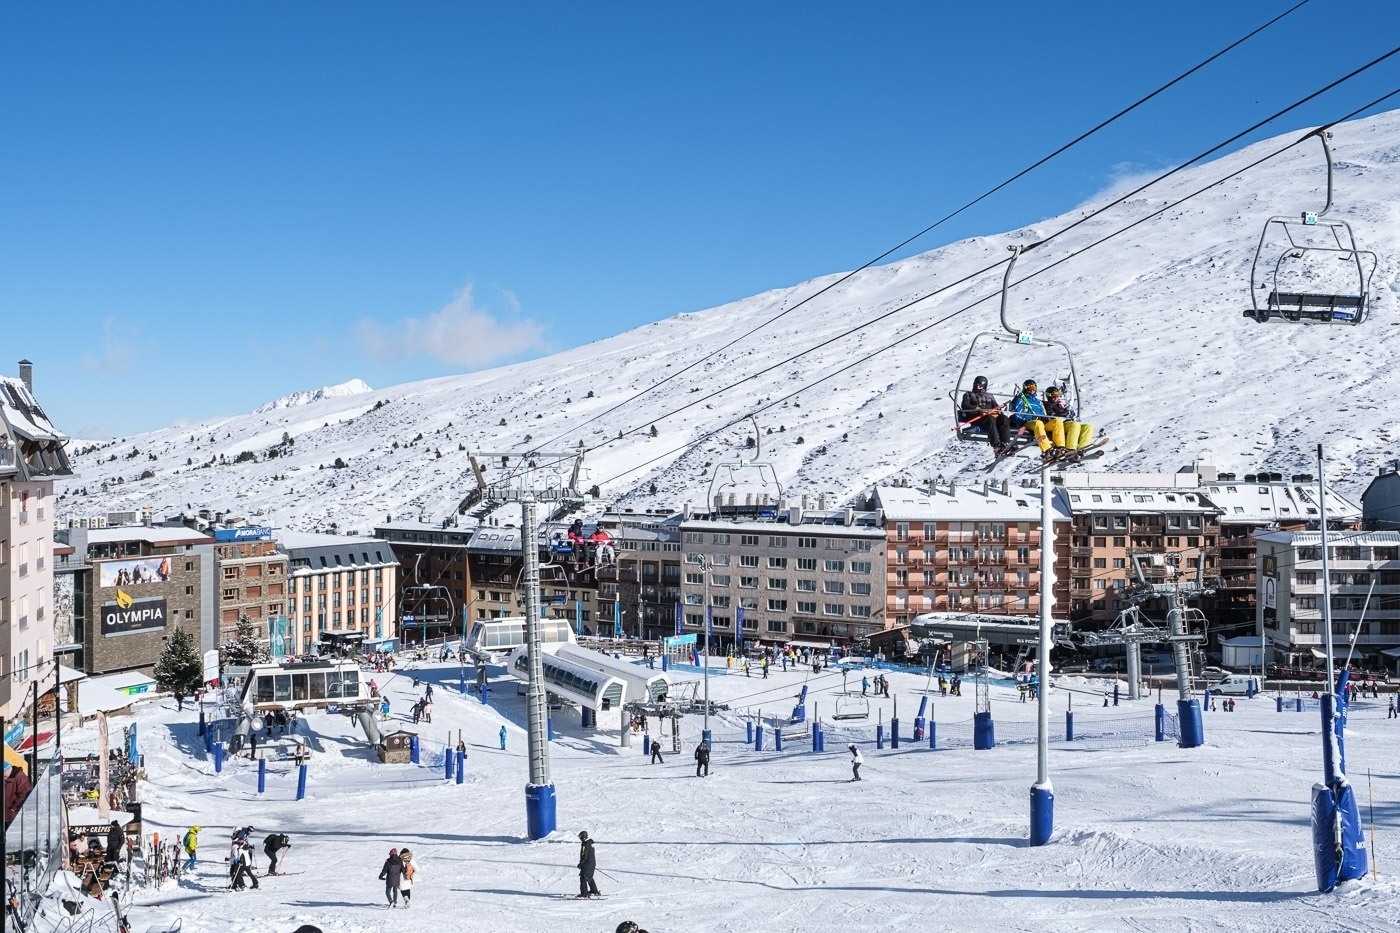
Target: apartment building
{"type": "Point", "coordinates": [1119, 515]}
{"type": "Point", "coordinates": [435, 577]}
{"type": "Point", "coordinates": [972, 547]}
{"type": "Point", "coordinates": [1363, 566]}
{"type": "Point", "coordinates": [1380, 503]}
{"type": "Point", "coordinates": [1247, 504]}
{"type": "Point", "coordinates": [252, 582]}
{"type": "Point", "coordinates": [796, 576]}
{"type": "Point", "coordinates": [132, 585]}
{"type": "Point", "coordinates": [643, 585]}
{"type": "Point", "coordinates": [31, 455]}
{"type": "Point", "coordinates": [340, 584]}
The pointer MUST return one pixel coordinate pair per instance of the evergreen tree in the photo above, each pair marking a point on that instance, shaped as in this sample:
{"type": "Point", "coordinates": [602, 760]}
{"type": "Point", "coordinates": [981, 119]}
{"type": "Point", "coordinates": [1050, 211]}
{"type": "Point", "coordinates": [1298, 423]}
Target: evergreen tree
{"type": "Point", "coordinates": [180, 666]}
{"type": "Point", "coordinates": [245, 648]}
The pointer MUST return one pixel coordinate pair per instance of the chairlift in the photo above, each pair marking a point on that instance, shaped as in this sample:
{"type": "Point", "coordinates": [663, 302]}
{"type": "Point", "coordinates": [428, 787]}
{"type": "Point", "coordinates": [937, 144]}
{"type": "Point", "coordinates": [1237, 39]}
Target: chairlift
{"type": "Point", "coordinates": [1012, 366]}
{"type": "Point", "coordinates": [852, 708]}
{"type": "Point", "coordinates": [1318, 274]}
{"type": "Point", "coordinates": [755, 475]}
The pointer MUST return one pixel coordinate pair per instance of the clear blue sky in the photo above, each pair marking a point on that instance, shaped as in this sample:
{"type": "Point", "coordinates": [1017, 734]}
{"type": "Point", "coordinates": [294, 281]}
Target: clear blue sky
{"type": "Point", "coordinates": [205, 206]}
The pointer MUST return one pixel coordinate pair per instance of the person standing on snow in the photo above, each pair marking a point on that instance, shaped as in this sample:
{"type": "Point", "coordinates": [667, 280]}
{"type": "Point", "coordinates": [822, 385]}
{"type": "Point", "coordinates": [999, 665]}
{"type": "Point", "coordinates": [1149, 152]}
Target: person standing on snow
{"type": "Point", "coordinates": [856, 762]}
{"type": "Point", "coordinates": [656, 758]}
{"type": "Point", "coordinates": [702, 759]}
{"type": "Point", "coordinates": [392, 876]}
{"type": "Point", "coordinates": [409, 870]}
{"type": "Point", "coordinates": [587, 864]}
{"type": "Point", "coordinates": [243, 865]}
{"type": "Point", "coordinates": [503, 738]}
{"type": "Point", "coordinates": [273, 847]}
{"type": "Point", "coordinates": [190, 843]}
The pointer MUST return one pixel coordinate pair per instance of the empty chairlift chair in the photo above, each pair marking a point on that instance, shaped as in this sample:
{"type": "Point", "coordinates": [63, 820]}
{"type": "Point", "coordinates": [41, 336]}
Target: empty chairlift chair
{"type": "Point", "coordinates": [1307, 269]}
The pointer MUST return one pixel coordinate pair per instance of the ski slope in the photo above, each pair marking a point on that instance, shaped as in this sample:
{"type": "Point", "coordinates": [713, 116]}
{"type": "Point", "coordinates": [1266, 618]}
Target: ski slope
{"type": "Point", "coordinates": [1147, 836]}
{"type": "Point", "coordinates": [1169, 367]}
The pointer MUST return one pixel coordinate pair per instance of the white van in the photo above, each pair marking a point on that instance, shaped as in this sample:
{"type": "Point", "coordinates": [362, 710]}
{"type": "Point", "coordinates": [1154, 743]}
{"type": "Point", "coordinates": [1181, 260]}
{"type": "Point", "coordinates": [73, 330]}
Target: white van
{"type": "Point", "coordinates": [1234, 685]}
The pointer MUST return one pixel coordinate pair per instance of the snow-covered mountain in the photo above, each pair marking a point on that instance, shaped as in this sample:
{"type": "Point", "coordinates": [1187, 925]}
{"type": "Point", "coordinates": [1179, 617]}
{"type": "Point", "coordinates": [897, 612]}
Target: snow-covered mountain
{"type": "Point", "coordinates": [352, 387]}
{"type": "Point", "coordinates": [1169, 368]}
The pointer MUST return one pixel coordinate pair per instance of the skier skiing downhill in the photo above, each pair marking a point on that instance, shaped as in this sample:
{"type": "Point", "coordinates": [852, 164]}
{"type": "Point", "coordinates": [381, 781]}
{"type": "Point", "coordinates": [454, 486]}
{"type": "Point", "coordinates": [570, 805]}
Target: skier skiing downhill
{"type": "Point", "coordinates": [980, 408]}
{"type": "Point", "coordinates": [856, 761]}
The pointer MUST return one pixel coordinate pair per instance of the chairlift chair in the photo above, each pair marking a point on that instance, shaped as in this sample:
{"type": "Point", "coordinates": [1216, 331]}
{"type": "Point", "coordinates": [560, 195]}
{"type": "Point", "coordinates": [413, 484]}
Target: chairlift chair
{"type": "Point", "coordinates": [1300, 287]}
{"type": "Point", "coordinates": [852, 708]}
{"type": "Point", "coordinates": [1068, 382]}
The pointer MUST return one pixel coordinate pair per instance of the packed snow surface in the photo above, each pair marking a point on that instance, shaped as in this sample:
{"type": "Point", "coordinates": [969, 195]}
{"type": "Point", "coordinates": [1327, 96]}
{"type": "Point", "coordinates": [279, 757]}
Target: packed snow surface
{"type": "Point", "coordinates": [1148, 836]}
{"type": "Point", "coordinates": [1169, 369]}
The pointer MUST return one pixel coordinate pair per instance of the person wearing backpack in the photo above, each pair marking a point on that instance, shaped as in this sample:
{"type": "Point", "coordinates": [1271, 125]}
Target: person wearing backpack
{"type": "Point", "coordinates": [274, 847]}
{"type": "Point", "coordinates": [190, 843]}
{"type": "Point", "coordinates": [409, 870]}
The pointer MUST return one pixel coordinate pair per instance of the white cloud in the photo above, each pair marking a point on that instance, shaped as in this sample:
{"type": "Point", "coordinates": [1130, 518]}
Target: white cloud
{"type": "Point", "coordinates": [1122, 178]}
{"type": "Point", "coordinates": [460, 334]}
{"type": "Point", "coordinates": [121, 348]}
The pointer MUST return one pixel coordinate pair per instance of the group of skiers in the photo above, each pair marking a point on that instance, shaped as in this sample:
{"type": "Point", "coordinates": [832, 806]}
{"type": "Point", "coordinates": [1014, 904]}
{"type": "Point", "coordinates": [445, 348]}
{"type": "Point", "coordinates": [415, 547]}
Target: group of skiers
{"type": "Point", "coordinates": [945, 686]}
{"type": "Point", "coordinates": [882, 686]}
{"type": "Point", "coordinates": [242, 857]}
{"type": "Point", "coordinates": [1050, 419]}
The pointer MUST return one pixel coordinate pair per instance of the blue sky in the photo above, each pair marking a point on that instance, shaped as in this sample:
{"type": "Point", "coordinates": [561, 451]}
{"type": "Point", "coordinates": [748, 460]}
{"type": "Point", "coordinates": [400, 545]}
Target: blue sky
{"type": "Point", "coordinates": [206, 206]}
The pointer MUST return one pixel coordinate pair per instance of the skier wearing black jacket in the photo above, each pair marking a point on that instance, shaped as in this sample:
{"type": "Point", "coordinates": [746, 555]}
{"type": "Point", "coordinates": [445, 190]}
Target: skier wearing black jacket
{"type": "Point", "coordinates": [702, 759]}
{"type": "Point", "coordinates": [587, 864]}
{"type": "Point", "coordinates": [992, 422]}
{"type": "Point", "coordinates": [272, 848]}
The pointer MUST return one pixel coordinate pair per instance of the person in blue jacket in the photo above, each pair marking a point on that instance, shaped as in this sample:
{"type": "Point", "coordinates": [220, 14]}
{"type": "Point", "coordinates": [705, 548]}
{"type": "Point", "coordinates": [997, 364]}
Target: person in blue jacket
{"type": "Point", "coordinates": [1028, 410]}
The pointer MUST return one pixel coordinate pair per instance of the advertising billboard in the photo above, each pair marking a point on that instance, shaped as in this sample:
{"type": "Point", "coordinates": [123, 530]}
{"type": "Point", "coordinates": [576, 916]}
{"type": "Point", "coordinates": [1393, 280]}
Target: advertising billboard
{"type": "Point", "coordinates": [128, 616]}
{"type": "Point", "coordinates": [250, 533]}
{"type": "Point", "coordinates": [132, 572]}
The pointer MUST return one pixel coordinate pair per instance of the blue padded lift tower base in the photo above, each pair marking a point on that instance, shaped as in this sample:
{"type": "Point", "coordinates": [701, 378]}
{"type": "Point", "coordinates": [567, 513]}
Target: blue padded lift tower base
{"type": "Point", "coordinates": [539, 810]}
{"type": "Point", "coordinates": [1352, 863]}
{"type": "Point", "coordinates": [984, 733]}
{"type": "Point", "coordinates": [1042, 813]}
{"type": "Point", "coordinates": [1192, 732]}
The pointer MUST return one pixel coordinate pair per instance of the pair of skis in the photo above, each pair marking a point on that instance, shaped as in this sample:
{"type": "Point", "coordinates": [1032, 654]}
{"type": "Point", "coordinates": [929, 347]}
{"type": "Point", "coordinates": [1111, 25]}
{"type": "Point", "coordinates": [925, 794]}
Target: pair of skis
{"type": "Point", "coordinates": [1092, 452]}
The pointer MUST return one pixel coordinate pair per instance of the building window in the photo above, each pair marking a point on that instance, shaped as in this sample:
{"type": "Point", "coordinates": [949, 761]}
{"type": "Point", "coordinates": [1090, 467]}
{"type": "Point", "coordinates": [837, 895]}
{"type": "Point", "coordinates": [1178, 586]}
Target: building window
{"type": "Point", "coordinates": [694, 537]}
{"type": "Point", "coordinates": [778, 563]}
{"type": "Point", "coordinates": [748, 540]}
{"type": "Point", "coordinates": [833, 586]}
{"type": "Point", "coordinates": [230, 593]}
{"type": "Point", "coordinates": [861, 566]}
{"type": "Point", "coordinates": [748, 583]}
{"type": "Point", "coordinates": [809, 608]}
{"type": "Point", "coordinates": [861, 612]}
{"type": "Point", "coordinates": [806, 586]}
{"type": "Point", "coordinates": [777, 583]}
{"type": "Point", "coordinates": [719, 579]}
{"type": "Point", "coordinates": [748, 560]}
{"type": "Point", "coordinates": [774, 625]}
{"type": "Point", "coordinates": [835, 609]}
{"type": "Point", "coordinates": [777, 605]}
{"type": "Point", "coordinates": [777, 541]}
{"type": "Point", "coordinates": [806, 563]}
{"type": "Point", "coordinates": [695, 579]}
{"type": "Point", "coordinates": [807, 543]}
{"type": "Point", "coordinates": [835, 566]}
{"type": "Point", "coordinates": [720, 539]}
{"type": "Point", "coordinates": [862, 589]}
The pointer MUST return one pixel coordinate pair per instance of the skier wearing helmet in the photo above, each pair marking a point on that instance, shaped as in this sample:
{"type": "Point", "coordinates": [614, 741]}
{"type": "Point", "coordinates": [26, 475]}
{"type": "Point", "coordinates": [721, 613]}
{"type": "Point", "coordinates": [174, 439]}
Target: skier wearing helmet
{"type": "Point", "coordinates": [1078, 434]}
{"type": "Point", "coordinates": [1027, 409]}
{"type": "Point", "coordinates": [856, 761]}
{"type": "Point", "coordinates": [979, 407]}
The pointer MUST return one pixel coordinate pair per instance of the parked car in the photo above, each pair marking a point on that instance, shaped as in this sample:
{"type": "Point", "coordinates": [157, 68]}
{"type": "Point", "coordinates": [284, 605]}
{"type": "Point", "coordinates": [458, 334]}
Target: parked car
{"type": "Point", "coordinates": [1213, 674]}
{"type": "Point", "coordinates": [1108, 664]}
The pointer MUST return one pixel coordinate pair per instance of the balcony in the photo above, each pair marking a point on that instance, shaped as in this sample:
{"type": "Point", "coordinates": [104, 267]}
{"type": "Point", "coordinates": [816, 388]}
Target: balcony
{"type": "Point", "coordinates": [916, 563]}
{"type": "Point", "coordinates": [1236, 564]}
{"type": "Point", "coordinates": [1081, 552]}
{"type": "Point", "coordinates": [24, 517]}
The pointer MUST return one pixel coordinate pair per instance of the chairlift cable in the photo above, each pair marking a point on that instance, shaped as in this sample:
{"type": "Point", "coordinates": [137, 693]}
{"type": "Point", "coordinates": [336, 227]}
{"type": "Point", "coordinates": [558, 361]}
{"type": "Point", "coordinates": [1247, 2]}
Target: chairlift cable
{"type": "Point", "coordinates": [922, 330]}
{"type": "Point", "coordinates": [903, 307]}
{"type": "Point", "coordinates": [942, 220]}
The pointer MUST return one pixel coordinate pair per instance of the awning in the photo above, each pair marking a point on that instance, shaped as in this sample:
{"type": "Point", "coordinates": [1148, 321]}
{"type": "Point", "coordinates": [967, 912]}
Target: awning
{"type": "Point", "coordinates": [1337, 653]}
{"type": "Point", "coordinates": [1391, 652]}
{"type": "Point", "coordinates": [810, 644]}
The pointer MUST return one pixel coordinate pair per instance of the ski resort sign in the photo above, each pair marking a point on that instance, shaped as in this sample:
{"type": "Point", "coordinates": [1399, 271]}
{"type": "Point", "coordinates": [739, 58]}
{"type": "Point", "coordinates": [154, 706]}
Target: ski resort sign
{"type": "Point", "coordinates": [128, 616]}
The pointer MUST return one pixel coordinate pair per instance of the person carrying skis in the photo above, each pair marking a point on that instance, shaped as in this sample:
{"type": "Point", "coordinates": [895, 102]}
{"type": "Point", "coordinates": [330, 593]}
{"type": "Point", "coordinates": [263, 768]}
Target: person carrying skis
{"type": "Point", "coordinates": [587, 864]}
{"type": "Point", "coordinates": [409, 870]}
{"type": "Point", "coordinates": [392, 876]}
{"type": "Point", "coordinates": [702, 759]}
{"type": "Point", "coordinates": [1028, 410]}
{"type": "Point", "coordinates": [1078, 434]}
{"type": "Point", "coordinates": [190, 843]}
{"type": "Point", "coordinates": [980, 408]}
{"type": "Point", "coordinates": [856, 762]}
{"type": "Point", "coordinates": [273, 847]}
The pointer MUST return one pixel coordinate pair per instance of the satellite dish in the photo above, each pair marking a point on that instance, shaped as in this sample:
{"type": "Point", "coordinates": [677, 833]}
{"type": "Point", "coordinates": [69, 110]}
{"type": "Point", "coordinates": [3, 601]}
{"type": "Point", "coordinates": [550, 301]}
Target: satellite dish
{"type": "Point", "coordinates": [258, 723]}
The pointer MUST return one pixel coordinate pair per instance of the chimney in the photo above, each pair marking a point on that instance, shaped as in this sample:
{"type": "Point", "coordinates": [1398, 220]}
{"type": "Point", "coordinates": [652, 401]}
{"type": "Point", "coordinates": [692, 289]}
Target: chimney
{"type": "Point", "coordinates": [748, 498]}
{"type": "Point", "coordinates": [794, 516]}
{"type": "Point", "coordinates": [821, 502]}
{"type": "Point", "coordinates": [952, 487]}
{"type": "Point", "coordinates": [850, 516]}
{"type": "Point", "coordinates": [1006, 487]}
{"type": "Point", "coordinates": [26, 374]}
{"type": "Point", "coordinates": [806, 503]}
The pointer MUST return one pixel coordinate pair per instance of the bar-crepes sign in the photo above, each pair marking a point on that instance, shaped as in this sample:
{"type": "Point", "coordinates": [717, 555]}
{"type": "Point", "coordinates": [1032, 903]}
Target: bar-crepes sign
{"type": "Point", "coordinates": [128, 615]}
